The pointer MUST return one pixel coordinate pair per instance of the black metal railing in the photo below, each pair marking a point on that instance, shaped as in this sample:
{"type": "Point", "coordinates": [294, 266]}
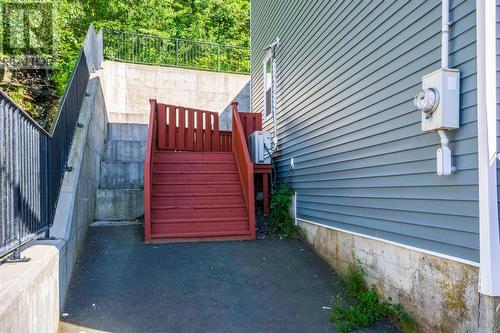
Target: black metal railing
{"type": "Point", "coordinates": [63, 129]}
{"type": "Point", "coordinates": [174, 52]}
{"type": "Point", "coordinates": [33, 162]}
{"type": "Point", "coordinates": [23, 165]}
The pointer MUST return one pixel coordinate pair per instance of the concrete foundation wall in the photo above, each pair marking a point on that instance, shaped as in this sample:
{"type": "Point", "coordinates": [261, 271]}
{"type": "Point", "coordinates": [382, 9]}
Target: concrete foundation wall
{"type": "Point", "coordinates": [442, 294]}
{"type": "Point", "coordinates": [128, 88]}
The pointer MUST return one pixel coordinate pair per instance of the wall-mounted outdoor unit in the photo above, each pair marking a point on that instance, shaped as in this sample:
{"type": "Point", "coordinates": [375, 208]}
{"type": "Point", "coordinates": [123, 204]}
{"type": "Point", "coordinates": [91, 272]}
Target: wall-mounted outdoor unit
{"type": "Point", "coordinates": [259, 146]}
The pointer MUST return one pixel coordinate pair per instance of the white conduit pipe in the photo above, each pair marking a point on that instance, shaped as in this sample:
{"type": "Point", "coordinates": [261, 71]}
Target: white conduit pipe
{"type": "Point", "coordinates": [445, 32]}
{"type": "Point", "coordinates": [445, 158]}
{"type": "Point", "coordinates": [444, 138]}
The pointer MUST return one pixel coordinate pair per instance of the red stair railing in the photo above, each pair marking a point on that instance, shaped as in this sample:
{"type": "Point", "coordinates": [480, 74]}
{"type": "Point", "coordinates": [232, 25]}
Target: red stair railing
{"type": "Point", "coordinates": [226, 144]}
{"type": "Point", "coordinates": [251, 122]}
{"type": "Point", "coordinates": [244, 164]}
{"type": "Point", "coordinates": [148, 170]}
{"type": "Point", "coordinates": [186, 129]}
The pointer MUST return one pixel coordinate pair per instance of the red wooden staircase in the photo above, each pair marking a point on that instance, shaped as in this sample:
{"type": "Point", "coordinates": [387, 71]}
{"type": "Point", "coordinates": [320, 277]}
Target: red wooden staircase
{"type": "Point", "coordinates": [198, 181]}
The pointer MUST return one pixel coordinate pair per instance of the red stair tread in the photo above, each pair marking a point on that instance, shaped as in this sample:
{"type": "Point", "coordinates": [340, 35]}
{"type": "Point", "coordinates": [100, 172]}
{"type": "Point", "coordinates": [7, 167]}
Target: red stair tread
{"type": "Point", "coordinates": [202, 219]}
{"type": "Point", "coordinates": [200, 226]}
{"type": "Point", "coordinates": [166, 170]}
{"type": "Point", "coordinates": [197, 213]}
{"type": "Point", "coordinates": [205, 234]}
{"type": "Point", "coordinates": [196, 200]}
{"type": "Point", "coordinates": [165, 178]}
{"type": "Point", "coordinates": [192, 157]}
{"type": "Point", "coordinates": [196, 167]}
{"type": "Point", "coordinates": [199, 183]}
{"type": "Point", "coordinates": [197, 206]}
{"type": "Point", "coordinates": [196, 194]}
{"type": "Point", "coordinates": [187, 189]}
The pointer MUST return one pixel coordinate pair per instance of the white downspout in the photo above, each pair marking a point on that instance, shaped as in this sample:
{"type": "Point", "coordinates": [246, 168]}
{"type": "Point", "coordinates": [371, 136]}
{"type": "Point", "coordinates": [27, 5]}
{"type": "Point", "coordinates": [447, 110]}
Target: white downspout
{"type": "Point", "coordinates": [272, 47]}
{"type": "Point", "coordinates": [273, 103]}
{"type": "Point", "coordinates": [489, 233]}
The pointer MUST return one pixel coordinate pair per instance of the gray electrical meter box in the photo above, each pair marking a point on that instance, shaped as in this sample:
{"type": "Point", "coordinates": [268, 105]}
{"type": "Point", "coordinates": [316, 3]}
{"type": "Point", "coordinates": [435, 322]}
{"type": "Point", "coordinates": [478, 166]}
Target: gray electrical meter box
{"type": "Point", "coordinates": [440, 97]}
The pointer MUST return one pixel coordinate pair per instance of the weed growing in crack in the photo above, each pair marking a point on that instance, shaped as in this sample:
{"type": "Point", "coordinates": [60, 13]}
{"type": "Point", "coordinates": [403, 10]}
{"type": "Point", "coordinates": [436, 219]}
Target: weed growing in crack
{"type": "Point", "coordinates": [362, 308]}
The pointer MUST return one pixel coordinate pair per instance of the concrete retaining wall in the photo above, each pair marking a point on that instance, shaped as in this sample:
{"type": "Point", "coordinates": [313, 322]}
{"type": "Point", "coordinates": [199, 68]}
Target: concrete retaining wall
{"type": "Point", "coordinates": [128, 88]}
{"type": "Point", "coordinates": [441, 293]}
{"type": "Point", "coordinates": [29, 291]}
{"type": "Point", "coordinates": [32, 293]}
{"type": "Point", "coordinates": [76, 205]}
{"type": "Point", "coordinates": [243, 99]}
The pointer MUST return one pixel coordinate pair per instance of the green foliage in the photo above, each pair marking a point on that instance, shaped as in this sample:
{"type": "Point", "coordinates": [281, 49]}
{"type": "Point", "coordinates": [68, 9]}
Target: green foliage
{"type": "Point", "coordinates": [279, 216]}
{"type": "Point", "coordinates": [19, 96]}
{"type": "Point", "coordinates": [218, 21]}
{"type": "Point", "coordinates": [363, 307]}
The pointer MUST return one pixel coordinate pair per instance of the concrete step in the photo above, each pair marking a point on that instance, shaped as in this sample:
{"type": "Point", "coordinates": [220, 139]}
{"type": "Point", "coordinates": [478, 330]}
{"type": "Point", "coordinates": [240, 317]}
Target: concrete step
{"type": "Point", "coordinates": [122, 175]}
{"type": "Point", "coordinates": [131, 118]}
{"type": "Point", "coordinates": [119, 204]}
{"type": "Point", "coordinates": [113, 223]}
{"type": "Point", "coordinates": [127, 132]}
{"type": "Point", "coordinates": [125, 151]}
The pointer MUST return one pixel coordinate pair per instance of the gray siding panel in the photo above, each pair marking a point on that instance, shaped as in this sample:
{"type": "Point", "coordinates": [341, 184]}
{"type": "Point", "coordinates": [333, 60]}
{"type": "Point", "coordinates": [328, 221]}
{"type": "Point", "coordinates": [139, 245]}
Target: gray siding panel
{"type": "Point", "coordinates": [347, 72]}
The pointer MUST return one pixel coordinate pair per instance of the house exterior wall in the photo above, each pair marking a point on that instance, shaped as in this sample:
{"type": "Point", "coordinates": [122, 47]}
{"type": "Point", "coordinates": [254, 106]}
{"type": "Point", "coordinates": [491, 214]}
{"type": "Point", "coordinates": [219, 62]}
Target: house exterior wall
{"type": "Point", "coordinates": [346, 75]}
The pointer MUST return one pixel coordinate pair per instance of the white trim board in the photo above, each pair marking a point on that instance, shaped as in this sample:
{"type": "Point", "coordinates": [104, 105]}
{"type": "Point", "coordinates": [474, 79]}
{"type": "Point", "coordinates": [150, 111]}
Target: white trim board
{"type": "Point", "coordinates": [436, 254]}
{"type": "Point", "coordinates": [489, 233]}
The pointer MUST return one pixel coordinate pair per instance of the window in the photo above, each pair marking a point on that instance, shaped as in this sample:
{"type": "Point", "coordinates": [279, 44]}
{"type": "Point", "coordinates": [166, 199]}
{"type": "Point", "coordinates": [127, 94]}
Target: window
{"type": "Point", "coordinates": [268, 84]}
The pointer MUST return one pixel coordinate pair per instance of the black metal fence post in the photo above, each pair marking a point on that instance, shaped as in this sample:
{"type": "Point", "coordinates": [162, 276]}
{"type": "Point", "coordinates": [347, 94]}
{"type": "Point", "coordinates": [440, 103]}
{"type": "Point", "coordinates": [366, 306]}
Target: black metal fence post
{"type": "Point", "coordinates": [177, 52]}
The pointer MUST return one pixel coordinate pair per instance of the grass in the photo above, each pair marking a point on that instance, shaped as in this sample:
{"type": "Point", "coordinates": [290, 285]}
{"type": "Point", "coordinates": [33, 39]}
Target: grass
{"type": "Point", "coordinates": [362, 308]}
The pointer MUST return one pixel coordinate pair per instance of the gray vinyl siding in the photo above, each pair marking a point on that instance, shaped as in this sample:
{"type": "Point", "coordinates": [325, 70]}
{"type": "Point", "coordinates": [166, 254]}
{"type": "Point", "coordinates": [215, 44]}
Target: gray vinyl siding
{"type": "Point", "coordinates": [347, 72]}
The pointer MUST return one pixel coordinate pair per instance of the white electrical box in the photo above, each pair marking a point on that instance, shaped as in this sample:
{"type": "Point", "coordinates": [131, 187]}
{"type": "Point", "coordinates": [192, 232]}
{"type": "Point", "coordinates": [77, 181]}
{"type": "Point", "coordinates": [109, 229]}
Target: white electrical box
{"type": "Point", "coordinates": [441, 90]}
{"type": "Point", "coordinates": [259, 146]}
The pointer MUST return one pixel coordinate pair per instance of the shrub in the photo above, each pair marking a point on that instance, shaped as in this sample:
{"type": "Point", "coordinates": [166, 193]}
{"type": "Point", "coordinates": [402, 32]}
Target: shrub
{"type": "Point", "coordinates": [279, 216]}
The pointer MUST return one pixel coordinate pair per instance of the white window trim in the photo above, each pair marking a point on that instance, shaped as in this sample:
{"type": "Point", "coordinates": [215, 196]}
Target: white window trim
{"type": "Point", "coordinates": [489, 235]}
{"type": "Point", "coordinates": [269, 55]}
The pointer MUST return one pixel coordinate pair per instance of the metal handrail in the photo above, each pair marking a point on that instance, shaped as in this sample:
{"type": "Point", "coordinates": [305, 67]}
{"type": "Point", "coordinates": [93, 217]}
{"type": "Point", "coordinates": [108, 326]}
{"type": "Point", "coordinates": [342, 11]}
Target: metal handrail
{"type": "Point", "coordinates": [66, 91]}
{"type": "Point", "coordinates": [24, 114]}
{"type": "Point", "coordinates": [175, 52]}
{"type": "Point", "coordinates": [172, 38]}
{"type": "Point", "coordinates": [33, 162]}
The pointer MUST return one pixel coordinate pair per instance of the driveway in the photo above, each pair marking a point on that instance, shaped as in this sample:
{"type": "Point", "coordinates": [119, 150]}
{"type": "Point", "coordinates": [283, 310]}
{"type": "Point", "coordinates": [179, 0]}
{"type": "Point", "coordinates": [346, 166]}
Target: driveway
{"type": "Point", "coordinates": [122, 285]}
